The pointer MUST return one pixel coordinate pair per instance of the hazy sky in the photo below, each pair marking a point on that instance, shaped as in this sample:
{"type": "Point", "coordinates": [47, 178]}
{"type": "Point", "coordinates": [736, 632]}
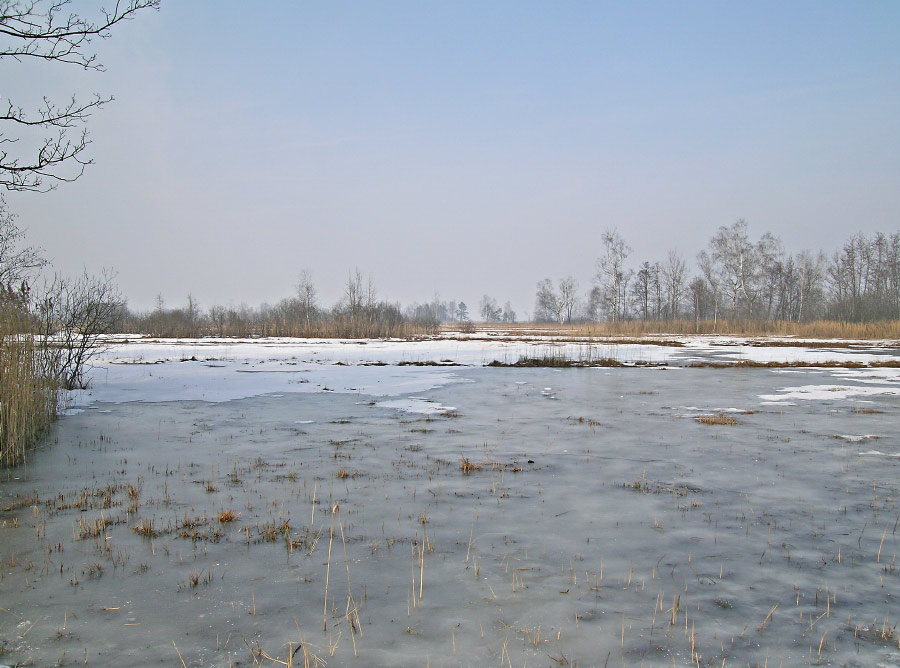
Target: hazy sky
{"type": "Point", "coordinates": [465, 147]}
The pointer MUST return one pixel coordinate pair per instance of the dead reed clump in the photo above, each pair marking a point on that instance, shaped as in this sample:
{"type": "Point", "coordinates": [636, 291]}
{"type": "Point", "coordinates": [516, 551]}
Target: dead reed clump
{"type": "Point", "coordinates": [29, 385]}
{"type": "Point", "coordinates": [881, 632]}
{"type": "Point", "coordinates": [91, 528]}
{"type": "Point", "coordinates": [467, 466]}
{"type": "Point", "coordinates": [719, 418]}
{"type": "Point", "coordinates": [272, 531]}
{"type": "Point", "coordinates": [145, 528]}
{"type": "Point", "coordinates": [228, 515]}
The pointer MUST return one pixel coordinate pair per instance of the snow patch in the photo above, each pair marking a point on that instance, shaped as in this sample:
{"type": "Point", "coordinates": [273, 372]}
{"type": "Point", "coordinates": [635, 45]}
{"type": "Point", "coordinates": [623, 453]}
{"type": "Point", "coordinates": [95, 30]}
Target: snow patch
{"type": "Point", "coordinates": [419, 405]}
{"type": "Point", "coordinates": [855, 438]}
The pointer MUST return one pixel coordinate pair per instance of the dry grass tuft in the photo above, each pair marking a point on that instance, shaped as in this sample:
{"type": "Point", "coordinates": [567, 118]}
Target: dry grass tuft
{"type": "Point", "coordinates": [719, 418]}
{"type": "Point", "coordinates": [145, 528]}
{"type": "Point", "coordinates": [867, 411]}
{"type": "Point", "coordinates": [467, 466]}
{"type": "Point", "coordinates": [228, 515]}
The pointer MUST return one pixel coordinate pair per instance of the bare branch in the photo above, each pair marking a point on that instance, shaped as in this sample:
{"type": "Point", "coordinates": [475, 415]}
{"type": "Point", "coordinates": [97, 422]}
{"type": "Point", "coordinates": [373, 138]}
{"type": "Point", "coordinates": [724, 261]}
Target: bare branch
{"type": "Point", "coordinates": [37, 29]}
{"type": "Point", "coordinates": [46, 30]}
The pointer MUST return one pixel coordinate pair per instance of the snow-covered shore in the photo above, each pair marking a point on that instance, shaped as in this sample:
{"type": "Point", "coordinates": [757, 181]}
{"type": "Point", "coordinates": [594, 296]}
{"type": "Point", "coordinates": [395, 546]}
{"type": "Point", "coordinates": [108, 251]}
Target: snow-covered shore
{"type": "Point", "coordinates": [136, 368]}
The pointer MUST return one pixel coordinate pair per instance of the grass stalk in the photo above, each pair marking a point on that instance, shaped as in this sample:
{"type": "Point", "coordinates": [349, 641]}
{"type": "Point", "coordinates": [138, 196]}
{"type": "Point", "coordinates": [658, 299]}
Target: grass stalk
{"type": "Point", "coordinates": [328, 570]}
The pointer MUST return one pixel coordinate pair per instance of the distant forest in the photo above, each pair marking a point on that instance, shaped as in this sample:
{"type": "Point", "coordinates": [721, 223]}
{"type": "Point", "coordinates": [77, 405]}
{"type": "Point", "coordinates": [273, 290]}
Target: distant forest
{"type": "Point", "coordinates": [733, 278]}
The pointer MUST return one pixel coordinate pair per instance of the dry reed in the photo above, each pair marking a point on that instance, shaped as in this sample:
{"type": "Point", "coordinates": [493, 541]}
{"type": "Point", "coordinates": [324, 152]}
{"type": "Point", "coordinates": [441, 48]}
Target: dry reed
{"type": "Point", "coordinates": [829, 329]}
{"type": "Point", "coordinates": [28, 389]}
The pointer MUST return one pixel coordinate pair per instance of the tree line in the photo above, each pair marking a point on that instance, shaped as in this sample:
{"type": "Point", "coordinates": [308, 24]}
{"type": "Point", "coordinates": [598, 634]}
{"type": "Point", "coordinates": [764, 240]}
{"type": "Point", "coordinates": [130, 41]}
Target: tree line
{"type": "Point", "coordinates": [359, 313]}
{"type": "Point", "coordinates": [737, 278]}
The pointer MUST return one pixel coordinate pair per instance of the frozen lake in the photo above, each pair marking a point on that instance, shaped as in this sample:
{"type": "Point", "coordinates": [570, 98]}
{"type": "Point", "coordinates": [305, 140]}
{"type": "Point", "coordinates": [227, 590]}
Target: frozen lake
{"type": "Point", "coordinates": [607, 516]}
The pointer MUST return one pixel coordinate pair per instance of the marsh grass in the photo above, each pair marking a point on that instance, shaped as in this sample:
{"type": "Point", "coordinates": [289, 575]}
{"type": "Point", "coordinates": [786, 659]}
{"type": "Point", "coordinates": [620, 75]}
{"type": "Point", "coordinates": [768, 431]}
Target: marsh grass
{"type": "Point", "coordinates": [827, 329]}
{"type": "Point", "coordinates": [719, 418]}
{"type": "Point", "coordinates": [467, 466]}
{"type": "Point", "coordinates": [28, 388]}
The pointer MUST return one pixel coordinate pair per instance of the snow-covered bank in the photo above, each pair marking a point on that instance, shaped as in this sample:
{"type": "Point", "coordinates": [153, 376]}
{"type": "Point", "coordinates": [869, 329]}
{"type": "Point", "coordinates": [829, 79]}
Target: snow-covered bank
{"type": "Point", "coordinates": [143, 369]}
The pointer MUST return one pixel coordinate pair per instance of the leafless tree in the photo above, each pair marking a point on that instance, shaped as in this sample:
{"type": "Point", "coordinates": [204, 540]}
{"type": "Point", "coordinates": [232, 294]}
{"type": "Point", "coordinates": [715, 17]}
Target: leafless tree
{"type": "Point", "coordinates": [353, 293]}
{"type": "Point", "coordinates": [713, 281]}
{"type": "Point", "coordinates": [547, 304]}
{"type": "Point", "coordinates": [74, 315]}
{"type": "Point", "coordinates": [18, 263]}
{"type": "Point", "coordinates": [864, 278]}
{"type": "Point", "coordinates": [490, 312]}
{"type": "Point", "coordinates": [732, 255]}
{"type": "Point", "coordinates": [641, 291]}
{"type": "Point", "coordinates": [508, 314]}
{"type": "Point", "coordinates": [462, 312]}
{"type": "Point", "coordinates": [307, 296]}
{"type": "Point", "coordinates": [702, 302]}
{"type": "Point", "coordinates": [217, 317]}
{"type": "Point", "coordinates": [49, 143]}
{"type": "Point", "coordinates": [674, 274]}
{"type": "Point", "coordinates": [568, 298]}
{"type": "Point", "coordinates": [769, 272]}
{"type": "Point", "coordinates": [612, 275]}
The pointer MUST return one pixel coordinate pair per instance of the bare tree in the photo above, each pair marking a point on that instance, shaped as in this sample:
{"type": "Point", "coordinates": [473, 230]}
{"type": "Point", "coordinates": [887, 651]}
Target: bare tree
{"type": "Point", "coordinates": [51, 140]}
{"type": "Point", "coordinates": [733, 257]}
{"type": "Point", "coordinates": [218, 316]}
{"type": "Point", "coordinates": [674, 273]}
{"type": "Point", "coordinates": [192, 312]}
{"type": "Point", "coordinates": [769, 269]}
{"type": "Point", "coordinates": [353, 293]}
{"type": "Point", "coordinates": [713, 280]}
{"type": "Point", "coordinates": [18, 263]}
{"type": "Point", "coordinates": [462, 312]}
{"type": "Point", "coordinates": [75, 314]}
{"type": "Point", "coordinates": [306, 294]}
{"type": "Point", "coordinates": [547, 304]}
{"type": "Point", "coordinates": [864, 277]}
{"type": "Point", "coordinates": [568, 298]}
{"type": "Point", "coordinates": [701, 299]}
{"type": "Point", "coordinates": [810, 276]}
{"type": "Point", "coordinates": [508, 314]}
{"type": "Point", "coordinates": [612, 276]}
{"type": "Point", "coordinates": [641, 291]}
{"type": "Point", "coordinates": [490, 312]}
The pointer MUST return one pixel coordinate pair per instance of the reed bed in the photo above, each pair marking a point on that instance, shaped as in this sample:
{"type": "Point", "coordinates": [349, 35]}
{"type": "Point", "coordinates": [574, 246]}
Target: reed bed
{"type": "Point", "coordinates": [818, 329]}
{"type": "Point", "coordinates": [28, 390]}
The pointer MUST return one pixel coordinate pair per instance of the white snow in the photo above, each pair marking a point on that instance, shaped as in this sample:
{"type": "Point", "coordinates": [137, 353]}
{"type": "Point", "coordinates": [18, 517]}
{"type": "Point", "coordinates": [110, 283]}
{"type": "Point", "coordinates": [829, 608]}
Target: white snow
{"type": "Point", "coordinates": [136, 368]}
{"type": "Point", "coordinates": [419, 405]}
{"type": "Point", "coordinates": [855, 438]}
{"type": "Point", "coordinates": [829, 392]}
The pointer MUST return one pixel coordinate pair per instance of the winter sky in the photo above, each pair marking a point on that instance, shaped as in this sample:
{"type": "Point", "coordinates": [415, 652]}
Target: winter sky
{"type": "Point", "coordinates": [464, 148]}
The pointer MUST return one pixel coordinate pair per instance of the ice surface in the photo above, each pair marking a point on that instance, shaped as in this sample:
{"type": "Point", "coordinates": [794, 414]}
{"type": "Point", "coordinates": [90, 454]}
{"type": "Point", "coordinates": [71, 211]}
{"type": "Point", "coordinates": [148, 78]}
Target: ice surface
{"type": "Point", "coordinates": [141, 369]}
{"type": "Point", "coordinates": [417, 405]}
{"type": "Point", "coordinates": [583, 525]}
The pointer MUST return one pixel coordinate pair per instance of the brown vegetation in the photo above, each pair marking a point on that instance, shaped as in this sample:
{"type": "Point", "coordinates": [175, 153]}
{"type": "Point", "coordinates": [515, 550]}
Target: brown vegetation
{"type": "Point", "coordinates": [467, 466]}
{"type": "Point", "coordinates": [719, 418]}
{"type": "Point", "coordinates": [638, 330]}
{"type": "Point", "coordinates": [28, 393]}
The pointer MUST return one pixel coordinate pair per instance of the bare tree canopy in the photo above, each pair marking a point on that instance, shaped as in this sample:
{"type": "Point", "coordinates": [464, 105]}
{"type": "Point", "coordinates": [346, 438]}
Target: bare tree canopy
{"type": "Point", "coordinates": [75, 314]}
{"type": "Point", "coordinates": [17, 263]}
{"type": "Point", "coordinates": [612, 276]}
{"type": "Point", "coordinates": [41, 146]}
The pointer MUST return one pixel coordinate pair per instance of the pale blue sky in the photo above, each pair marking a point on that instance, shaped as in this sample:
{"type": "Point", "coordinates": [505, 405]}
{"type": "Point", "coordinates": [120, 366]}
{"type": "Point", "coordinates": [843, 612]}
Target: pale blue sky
{"type": "Point", "coordinates": [467, 147]}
